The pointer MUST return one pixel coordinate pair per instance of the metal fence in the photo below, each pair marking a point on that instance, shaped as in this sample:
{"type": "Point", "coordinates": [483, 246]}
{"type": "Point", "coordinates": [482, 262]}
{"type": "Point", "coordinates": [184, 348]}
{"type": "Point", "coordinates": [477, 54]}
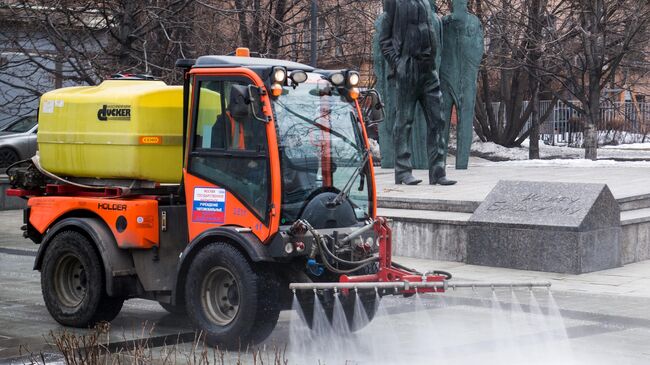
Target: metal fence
{"type": "Point", "coordinates": [621, 122]}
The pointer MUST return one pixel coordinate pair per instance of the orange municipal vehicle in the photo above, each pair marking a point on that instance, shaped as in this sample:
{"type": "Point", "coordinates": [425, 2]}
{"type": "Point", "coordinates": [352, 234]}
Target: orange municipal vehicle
{"type": "Point", "coordinates": [277, 195]}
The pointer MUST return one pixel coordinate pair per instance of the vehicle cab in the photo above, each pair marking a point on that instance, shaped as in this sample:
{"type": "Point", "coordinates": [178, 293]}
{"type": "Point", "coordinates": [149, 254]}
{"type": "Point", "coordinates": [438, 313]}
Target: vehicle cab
{"type": "Point", "coordinates": [271, 142]}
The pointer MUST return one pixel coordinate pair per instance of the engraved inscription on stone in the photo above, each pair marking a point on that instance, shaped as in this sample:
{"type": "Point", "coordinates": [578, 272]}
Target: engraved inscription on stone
{"type": "Point", "coordinates": [546, 226]}
{"type": "Point", "coordinates": [541, 203]}
{"type": "Point", "coordinates": [538, 203]}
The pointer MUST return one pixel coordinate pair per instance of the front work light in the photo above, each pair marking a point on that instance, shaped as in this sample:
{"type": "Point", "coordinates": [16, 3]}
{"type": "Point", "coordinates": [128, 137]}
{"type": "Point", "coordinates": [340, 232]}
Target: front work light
{"type": "Point", "coordinates": [298, 77]}
{"type": "Point", "coordinates": [353, 79]}
{"type": "Point", "coordinates": [337, 79]}
{"type": "Point", "coordinates": [279, 75]}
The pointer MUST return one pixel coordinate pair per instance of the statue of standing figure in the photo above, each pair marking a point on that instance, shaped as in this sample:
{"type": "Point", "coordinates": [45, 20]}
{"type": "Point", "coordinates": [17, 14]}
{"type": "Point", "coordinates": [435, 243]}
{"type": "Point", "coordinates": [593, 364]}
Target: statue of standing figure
{"type": "Point", "coordinates": [437, 30]}
{"type": "Point", "coordinates": [410, 46]}
{"type": "Point", "coordinates": [461, 58]}
{"type": "Point", "coordinates": [386, 88]}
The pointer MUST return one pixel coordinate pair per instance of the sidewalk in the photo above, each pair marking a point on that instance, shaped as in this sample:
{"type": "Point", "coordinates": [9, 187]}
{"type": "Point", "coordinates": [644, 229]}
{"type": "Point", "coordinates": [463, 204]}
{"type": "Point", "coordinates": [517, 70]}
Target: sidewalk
{"type": "Point", "coordinates": [629, 280]}
{"type": "Point", "coordinates": [623, 179]}
{"type": "Point", "coordinates": [606, 313]}
{"type": "Point", "coordinates": [11, 237]}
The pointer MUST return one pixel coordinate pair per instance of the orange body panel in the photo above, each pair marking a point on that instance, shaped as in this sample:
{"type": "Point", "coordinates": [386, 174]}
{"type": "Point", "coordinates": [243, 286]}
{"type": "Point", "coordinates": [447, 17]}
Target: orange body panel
{"type": "Point", "coordinates": [141, 216]}
{"type": "Point", "coordinates": [236, 213]}
{"type": "Point", "coordinates": [371, 168]}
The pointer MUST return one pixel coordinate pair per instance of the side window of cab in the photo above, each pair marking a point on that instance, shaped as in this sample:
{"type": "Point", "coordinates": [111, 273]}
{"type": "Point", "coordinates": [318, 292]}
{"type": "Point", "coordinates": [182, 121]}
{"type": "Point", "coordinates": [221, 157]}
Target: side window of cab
{"type": "Point", "coordinates": [230, 148]}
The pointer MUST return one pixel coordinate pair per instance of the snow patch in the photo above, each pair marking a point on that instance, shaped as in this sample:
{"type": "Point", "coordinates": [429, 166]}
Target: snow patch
{"type": "Point", "coordinates": [577, 163]}
{"type": "Point", "coordinates": [493, 151]}
{"type": "Point", "coordinates": [631, 146]}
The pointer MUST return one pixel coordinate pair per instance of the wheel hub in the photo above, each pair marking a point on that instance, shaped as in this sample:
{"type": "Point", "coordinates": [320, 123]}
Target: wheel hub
{"type": "Point", "coordinates": [220, 296]}
{"type": "Point", "coordinates": [70, 281]}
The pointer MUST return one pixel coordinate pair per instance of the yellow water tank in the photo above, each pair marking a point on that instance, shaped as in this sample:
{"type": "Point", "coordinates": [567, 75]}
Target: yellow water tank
{"type": "Point", "coordinates": [120, 129]}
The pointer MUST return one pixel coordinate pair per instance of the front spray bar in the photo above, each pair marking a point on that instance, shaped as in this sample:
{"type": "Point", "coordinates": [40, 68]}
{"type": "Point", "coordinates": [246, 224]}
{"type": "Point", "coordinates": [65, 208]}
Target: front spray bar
{"type": "Point", "coordinates": [401, 280]}
{"type": "Point", "coordinates": [406, 286]}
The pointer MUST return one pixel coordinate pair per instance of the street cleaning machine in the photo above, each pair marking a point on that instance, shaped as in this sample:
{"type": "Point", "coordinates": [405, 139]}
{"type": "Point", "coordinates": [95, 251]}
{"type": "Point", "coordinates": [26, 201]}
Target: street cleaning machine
{"type": "Point", "coordinates": [220, 199]}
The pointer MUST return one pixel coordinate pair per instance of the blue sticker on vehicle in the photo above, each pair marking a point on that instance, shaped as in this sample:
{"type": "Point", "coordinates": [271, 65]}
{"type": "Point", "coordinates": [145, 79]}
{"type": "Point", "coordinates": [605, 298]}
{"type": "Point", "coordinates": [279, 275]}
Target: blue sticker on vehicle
{"type": "Point", "coordinates": [209, 205]}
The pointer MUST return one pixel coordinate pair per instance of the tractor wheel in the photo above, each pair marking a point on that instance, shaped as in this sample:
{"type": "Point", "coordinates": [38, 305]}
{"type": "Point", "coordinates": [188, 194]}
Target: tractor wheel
{"type": "Point", "coordinates": [269, 308]}
{"type": "Point", "coordinates": [7, 157]}
{"type": "Point", "coordinates": [369, 301]}
{"type": "Point", "coordinates": [178, 309]}
{"type": "Point", "coordinates": [229, 298]}
{"type": "Point", "coordinates": [73, 285]}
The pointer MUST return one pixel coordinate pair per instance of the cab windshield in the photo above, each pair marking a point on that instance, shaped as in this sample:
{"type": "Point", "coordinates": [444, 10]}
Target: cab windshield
{"type": "Point", "coordinates": [321, 147]}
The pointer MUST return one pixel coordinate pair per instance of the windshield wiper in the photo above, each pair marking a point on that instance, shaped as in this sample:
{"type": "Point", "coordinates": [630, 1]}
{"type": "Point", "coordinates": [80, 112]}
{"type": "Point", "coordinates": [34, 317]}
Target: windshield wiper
{"type": "Point", "coordinates": [344, 193]}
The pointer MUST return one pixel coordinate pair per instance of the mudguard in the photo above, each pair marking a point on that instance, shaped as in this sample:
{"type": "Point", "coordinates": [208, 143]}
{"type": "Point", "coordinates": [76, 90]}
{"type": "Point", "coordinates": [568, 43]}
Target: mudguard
{"type": "Point", "coordinates": [117, 262]}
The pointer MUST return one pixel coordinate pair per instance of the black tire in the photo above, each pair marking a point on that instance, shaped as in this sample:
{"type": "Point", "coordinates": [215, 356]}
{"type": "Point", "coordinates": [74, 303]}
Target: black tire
{"type": "Point", "coordinates": [269, 308]}
{"type": "Point", "coordinates": [8, 157]}
{"type": "Point", "coordinates": [369, 300]}
{"type": "Point", "coordinates": [178, 309]}
{"type": "Point", "coordinates": [73, 285]}
{"type": "Point", "coordinates": [245, 308]}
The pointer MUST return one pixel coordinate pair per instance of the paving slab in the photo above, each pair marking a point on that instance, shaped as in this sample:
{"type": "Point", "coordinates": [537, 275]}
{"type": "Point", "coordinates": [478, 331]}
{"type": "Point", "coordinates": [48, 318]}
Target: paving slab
{"type": "Point", "coordinates": [629, 280]}
{"type": "Point", "coordinates": [475, 184]}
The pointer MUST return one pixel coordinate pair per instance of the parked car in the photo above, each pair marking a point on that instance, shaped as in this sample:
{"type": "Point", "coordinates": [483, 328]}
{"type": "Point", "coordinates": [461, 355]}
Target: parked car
{"type": "Point", "coordinates": [18, 141]}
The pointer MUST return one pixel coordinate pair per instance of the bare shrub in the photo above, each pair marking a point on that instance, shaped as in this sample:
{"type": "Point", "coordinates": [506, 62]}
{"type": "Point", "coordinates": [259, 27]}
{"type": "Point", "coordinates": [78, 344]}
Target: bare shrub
{"type": "Point", "coordinates": [95, 348]}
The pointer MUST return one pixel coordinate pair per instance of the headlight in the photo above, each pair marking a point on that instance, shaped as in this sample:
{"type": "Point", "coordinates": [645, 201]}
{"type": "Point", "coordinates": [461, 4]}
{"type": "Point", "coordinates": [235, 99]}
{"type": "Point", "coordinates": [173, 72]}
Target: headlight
{"type": "Point", "coordinates": [337, 79]}
{"type": "Point", "coordinates": [279, 75]}
{"type": "Point", "coordinates": [298, 77]}
{"type": "Point", "coordinates": [353, 79]}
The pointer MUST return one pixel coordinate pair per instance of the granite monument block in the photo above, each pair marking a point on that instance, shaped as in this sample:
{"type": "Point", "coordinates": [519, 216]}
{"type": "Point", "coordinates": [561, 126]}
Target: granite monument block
{"type": "Point", "coordinates": [542, 226]}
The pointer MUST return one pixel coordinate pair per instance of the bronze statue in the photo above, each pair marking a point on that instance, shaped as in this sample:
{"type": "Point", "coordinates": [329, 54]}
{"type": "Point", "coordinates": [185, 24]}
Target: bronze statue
{"type": "Point", "coordinates": [461, 58]}
{"type": "Point", "coordinates": [386, 88]}
{"type": "Point", "coordinates": [437, 30]}
{"type": "Point", "coordinates": [409, 45]}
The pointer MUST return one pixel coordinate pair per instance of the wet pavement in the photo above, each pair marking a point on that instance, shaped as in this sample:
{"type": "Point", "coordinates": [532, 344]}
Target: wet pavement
{"type": "Point", "coordinates": [606, 313]}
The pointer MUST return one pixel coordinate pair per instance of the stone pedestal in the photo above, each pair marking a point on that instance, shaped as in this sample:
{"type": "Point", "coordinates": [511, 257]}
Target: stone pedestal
{"type": "Point", "coordinates": [541, 226]}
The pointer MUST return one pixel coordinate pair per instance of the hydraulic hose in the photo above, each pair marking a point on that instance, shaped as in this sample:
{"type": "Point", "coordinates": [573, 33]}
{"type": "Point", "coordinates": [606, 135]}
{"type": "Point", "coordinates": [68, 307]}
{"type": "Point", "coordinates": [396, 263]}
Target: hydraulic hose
{"type": "Point", "coordinates": [446, 274]}
{"type": "Point", "coordinates": [8, 168]}
{"type": "Point", "coordinates": [339, 271]}
{"type": "Point", "coordinates": [405, 268]}
{"type": "Point", "coordinates": [324, 249]}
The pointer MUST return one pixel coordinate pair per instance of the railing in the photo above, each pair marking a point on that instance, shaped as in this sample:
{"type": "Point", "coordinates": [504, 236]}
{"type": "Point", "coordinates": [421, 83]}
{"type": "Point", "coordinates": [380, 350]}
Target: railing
{"type": "Point", "coordinates": [623, 122]}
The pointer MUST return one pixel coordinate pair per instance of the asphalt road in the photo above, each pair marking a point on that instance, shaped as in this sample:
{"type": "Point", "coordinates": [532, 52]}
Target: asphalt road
{"type": "Point", "coordinates": [601, 328]}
